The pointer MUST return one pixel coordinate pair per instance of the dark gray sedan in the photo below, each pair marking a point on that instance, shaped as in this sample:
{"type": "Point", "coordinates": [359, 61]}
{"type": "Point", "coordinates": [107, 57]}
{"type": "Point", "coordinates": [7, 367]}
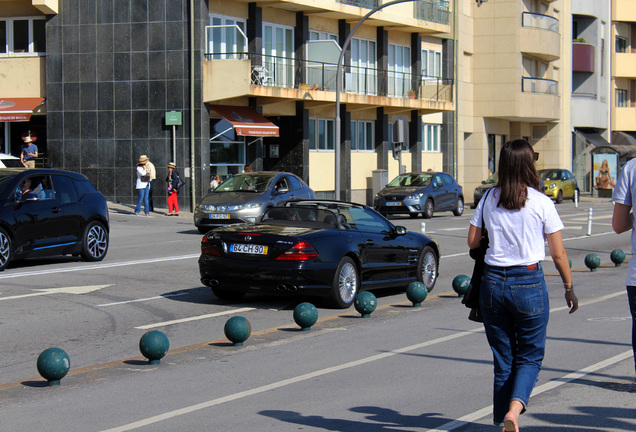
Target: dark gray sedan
{"type": "Point", "coordinates": [420, 192]}
{"type": "Point", "coordinates": [244, 198]}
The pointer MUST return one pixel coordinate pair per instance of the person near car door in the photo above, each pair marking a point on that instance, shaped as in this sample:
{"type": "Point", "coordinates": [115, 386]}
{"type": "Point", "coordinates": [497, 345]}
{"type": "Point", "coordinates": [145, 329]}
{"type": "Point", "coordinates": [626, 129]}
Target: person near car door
{"type": "Point", "coordinates": [513, 295]}
{"type": "Point", "coordinates": [174, 183]}
{"type": "Point", "coordinates": [623, 220]}
{"type": "Point", "coordinates": [142, 185]}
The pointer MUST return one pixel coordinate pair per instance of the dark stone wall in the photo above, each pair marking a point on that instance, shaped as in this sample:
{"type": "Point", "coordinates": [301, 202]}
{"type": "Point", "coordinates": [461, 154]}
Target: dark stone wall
{"type": "Point", "coordinates": [114, 67]}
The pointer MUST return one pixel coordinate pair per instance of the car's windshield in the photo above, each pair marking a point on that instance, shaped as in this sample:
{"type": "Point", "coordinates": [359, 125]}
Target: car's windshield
{"type": "Point", "coordinates": [406, 180]}
{"type": "Point", "coordinates": [549, 174]}
{"type": "Point", "coordinates": [12, 163]}
{"type": "Point", "coordinates": [300, 216]}
{"type": "Point", "coordinates": [246, 183]}
{"type": "Point", "coordinates": [492, 179]}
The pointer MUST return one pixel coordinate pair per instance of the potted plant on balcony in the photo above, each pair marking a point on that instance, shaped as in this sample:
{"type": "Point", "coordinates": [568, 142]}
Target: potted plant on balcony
{"type": "Point", "coordinates": [411, 93]}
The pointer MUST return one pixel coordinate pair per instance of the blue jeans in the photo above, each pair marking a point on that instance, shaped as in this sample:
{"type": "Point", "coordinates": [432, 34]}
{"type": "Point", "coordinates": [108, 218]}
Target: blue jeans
{"type": "Point", "coordinates": [631, 297]}
{"type": "Point", "coordinates": [515, 307]}
{"type": "Point", "coordinates": [143, 196]}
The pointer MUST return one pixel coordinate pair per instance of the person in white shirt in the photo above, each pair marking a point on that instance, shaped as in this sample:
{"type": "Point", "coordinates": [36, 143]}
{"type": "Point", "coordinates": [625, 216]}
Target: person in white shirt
{"type": "Point", "coordinates": [519, 217]}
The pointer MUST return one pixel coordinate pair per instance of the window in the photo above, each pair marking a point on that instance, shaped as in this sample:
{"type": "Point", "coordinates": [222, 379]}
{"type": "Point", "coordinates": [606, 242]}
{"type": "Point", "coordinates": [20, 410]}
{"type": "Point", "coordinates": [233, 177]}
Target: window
{"type": "Point", "coordinates": [226, 37]}
{"type": "Point", "coordinates": [399, 70]}
{"type": "Point", "coordinates": [362, 135]}
{"type": "Point", "coordinates": [363, 67]}
{"type": "Point", "coordinates": [431, 137]}
{"type": "Point", "coordinates": [622, 98]}
{"type": "Point", "coordinates": [278, 52]}
{"type": "Point", "coordinates": [321, 134]}
{"type": "Point", "coordinates": [431, 64]}
{"type": "Point", "coordinates": [22, 36]}
{"type": "Point", "coordinates": [319, 35]}
{"type": "Point", "coordinates": [621, 44]}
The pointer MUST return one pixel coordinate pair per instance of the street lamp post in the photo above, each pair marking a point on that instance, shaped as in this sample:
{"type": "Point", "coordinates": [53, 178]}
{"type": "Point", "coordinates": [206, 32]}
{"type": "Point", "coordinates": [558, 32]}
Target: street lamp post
{"type": "Point", "coordinates": [339, 86]}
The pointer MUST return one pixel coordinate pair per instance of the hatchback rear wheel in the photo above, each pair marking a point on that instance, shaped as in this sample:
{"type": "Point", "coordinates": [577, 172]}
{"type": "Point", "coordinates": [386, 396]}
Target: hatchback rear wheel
{"type": "Point", "coordinates": [95, 242]}
{"type": "Point", "coordinates": [6, 253]}
{"type": "Point", "coordinates": [459, 207]}
{"type": "Point", "coordinates": [345, 283]}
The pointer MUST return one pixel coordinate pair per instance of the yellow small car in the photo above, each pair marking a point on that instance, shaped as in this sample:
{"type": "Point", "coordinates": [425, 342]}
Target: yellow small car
{"type": "Point", "coordinates": [559, 184]}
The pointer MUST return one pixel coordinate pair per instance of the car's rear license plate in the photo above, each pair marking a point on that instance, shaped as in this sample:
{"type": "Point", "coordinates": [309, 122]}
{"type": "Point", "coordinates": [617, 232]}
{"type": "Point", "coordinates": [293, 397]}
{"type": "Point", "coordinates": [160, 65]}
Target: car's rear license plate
{"type": "Point", "coordinates": [393, 203]}
{"type": "Point", "coordinates": [248, 248]}
{"type": "Point", "coordinates": [219, 216]}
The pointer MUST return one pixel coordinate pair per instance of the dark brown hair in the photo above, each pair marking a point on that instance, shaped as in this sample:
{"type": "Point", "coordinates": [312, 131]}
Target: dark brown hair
{"type": "Point", "coordinates": [516, 173]}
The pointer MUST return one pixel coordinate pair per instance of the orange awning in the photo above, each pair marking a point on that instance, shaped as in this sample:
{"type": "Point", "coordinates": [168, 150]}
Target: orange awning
{"type": "Point", "coordinates": [18, 109]}
{"type": "Point", "coordinates": [246, 121]}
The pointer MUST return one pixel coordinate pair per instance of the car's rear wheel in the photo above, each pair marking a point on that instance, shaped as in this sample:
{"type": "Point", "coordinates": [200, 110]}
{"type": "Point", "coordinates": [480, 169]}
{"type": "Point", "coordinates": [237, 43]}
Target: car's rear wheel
{"type": "Point", "coordinates": [224, 294]}
{"type": "Point", "coordinates": [459, 207]}
{"type": "Point", "coordinates": [427, 268]}
{"type": "Point", "coordinates": [95, 242]}
{"type": "Point", "coordinates": [559, 198]}
{"type": "Point", "coordinates": [345, 283]}
{"type": "Point", "coordinates": [429, 208]}
{"type": "Point", "coordinates": [6, 252]}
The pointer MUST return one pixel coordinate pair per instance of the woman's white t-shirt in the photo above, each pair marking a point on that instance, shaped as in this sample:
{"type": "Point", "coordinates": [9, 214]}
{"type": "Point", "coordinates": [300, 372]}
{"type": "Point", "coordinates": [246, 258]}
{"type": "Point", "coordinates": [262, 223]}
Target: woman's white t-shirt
{"type": "Point", "coordinates": [517, 237]}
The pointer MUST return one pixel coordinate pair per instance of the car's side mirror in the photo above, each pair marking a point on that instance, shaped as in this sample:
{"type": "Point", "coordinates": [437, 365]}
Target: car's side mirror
{"type": "Point", "coordinates": [400, 230]}
{"type": "Point", "coordinates": [282, 190]}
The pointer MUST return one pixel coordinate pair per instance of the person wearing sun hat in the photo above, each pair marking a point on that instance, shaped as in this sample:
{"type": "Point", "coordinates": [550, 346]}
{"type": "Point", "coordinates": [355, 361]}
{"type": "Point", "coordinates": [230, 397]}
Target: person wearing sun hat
{"type": "Point", "coordinates": [153, 176]}
{"type": "Point", "coordinates": [29, 152]}
{"type": "Point", "coordinates": [174, 183]}
{"type": "Point", "coordinates": [142, 185]}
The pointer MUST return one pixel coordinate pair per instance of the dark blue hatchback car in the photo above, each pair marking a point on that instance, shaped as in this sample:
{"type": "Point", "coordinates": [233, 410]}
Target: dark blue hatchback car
{"type": "Point", "coordinates": [46, 212]}
{"type": "Point", "coordinates": [420, 192]}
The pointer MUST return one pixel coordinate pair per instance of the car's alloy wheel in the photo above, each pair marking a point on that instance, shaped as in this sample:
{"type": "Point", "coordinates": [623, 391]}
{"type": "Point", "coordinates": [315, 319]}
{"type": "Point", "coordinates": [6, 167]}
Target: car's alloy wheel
{"type": "Point", "coordinates": [345, 283]}
{"type": "Point", "coordinates": [459, 207]}
{"type": "Point", "coordinates": [429, 208]}
{"type": "Point", "coordinates": [559, 198]}
{"type": "Point", "coordinates": [95, 243]}
{"type": "Point", "coordinates": [427, 268]}
{"type": "Point", "coordinates": [5, 249]}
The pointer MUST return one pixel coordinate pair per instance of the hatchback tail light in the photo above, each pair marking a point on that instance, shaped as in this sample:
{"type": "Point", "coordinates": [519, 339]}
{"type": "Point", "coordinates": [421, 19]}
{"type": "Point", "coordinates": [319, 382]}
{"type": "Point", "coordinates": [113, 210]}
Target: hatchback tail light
{"type": "Point", "coordinates": [207, 248]}
{"type": "Point", "coordinates": [301, 251]}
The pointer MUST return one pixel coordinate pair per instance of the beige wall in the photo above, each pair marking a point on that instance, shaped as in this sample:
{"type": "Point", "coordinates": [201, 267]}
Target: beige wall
{"type": "Point", "coordinates": [23, 76]}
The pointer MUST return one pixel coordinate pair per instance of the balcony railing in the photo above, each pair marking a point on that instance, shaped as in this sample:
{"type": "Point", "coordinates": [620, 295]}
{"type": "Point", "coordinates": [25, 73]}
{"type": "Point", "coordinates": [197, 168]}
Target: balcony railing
{"type": "Point", "coordinates": [368, 4]}
{"type": "Point", "coordinates": [432, 11]}
{"type": "Point", "coordinates": [539, 85]}
{"type": "Point", "coordinates": [274, 71]}
{"type": "Point", "coordinates": [529, 19]}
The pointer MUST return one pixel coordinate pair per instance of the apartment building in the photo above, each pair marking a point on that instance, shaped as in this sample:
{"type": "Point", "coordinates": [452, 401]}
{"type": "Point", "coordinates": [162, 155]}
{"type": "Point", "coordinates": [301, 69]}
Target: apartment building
{"type": "Point", "coordinates": [513, 82]}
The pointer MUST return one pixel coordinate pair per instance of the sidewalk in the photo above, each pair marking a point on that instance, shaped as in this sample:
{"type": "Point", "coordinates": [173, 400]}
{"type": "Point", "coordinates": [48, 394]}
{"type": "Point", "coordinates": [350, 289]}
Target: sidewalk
{"type": "Point", "coordinates": [160, 211]}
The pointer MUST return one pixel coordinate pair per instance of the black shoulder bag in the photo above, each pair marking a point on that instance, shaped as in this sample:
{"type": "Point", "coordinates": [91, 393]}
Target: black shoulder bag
{"type": "Point", "coordinates": [471, 297]}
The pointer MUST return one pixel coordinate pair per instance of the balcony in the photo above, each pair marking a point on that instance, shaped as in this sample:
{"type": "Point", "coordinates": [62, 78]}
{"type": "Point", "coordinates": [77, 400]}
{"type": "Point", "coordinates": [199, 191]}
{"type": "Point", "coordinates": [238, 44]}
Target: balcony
{"type": "Point", "coordinates": [583, 57]}
{"type": "Point", "coordinates": [232, 75]}
{"type": "Point", "coordinates": [432, 11]}
{"type": "Point", "coordinates": [367, 4]}
{"type": "Point", "coordinates": [540, 36]}
{"type": "Point", "coordinates": [539, 85]}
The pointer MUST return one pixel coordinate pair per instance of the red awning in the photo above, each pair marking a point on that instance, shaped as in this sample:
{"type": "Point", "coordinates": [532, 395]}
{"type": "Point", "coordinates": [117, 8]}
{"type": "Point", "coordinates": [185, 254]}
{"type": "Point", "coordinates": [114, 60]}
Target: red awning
{"type": "Point", "coordinates": [246, 121]}
{"type": "Point", "coordinates": [18, 109]}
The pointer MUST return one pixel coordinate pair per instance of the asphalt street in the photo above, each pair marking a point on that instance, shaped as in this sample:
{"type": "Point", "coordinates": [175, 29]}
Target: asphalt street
{"type": "Point", "coordinates": [402, 369]}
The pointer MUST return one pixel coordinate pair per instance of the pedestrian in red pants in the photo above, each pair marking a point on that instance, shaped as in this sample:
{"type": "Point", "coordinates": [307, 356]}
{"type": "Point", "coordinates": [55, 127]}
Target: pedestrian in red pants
{"type": "Point", "coordinates": [174, 183]}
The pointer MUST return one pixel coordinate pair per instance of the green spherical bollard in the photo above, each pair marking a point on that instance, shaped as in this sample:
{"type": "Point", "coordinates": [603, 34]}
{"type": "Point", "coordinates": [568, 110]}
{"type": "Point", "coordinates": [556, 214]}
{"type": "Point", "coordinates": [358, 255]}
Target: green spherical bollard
{"type": "Point", "coordinates": [460, 284]}
{"type": "Point", "coordinates": [154, 345]}
{"type": "Point", "coordinates": [365, 303]}
{"type": "Point", "coordinates": [237, 329]}
{"type": "Point", "coordinates": [617, 256]}
{"type": "Point", "coordinates": [592, 261]}
{"type": "Point", "coordinates": [416, 292]}
{"type": "Point", "coordinates": [53, 364]}
{"type": "Point", "coordinates": [305, 315]}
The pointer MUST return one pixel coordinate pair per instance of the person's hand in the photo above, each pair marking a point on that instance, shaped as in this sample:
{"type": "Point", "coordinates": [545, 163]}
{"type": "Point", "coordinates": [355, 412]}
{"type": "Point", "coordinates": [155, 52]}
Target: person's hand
{"type": "Point", "coordinates": [571, 300]}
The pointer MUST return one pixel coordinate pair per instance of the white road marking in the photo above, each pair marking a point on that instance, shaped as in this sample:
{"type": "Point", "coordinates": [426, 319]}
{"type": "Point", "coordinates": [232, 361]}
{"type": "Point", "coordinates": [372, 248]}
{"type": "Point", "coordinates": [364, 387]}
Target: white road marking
{"type": "Point", "coordinates": [143, 299]}
{"type": "Point", "coordinates": [97, 266]}
{"type": "Point", "coordinates": [195, 318]}
{"type": "Point", "coordinates": [65, 290]}
{"type": "Point", "coordinates": [453, 229]}
{"type": "Point", "coordinates": [446, 427]}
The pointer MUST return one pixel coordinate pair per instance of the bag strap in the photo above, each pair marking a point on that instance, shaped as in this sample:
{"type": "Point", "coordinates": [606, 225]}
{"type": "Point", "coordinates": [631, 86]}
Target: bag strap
{"type": "Point", "coordinates": [483, 222]}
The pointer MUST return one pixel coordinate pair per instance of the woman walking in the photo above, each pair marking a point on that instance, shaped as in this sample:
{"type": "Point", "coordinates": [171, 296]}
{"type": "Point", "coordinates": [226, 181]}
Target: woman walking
{"type": "Point", "coordinates": [142, 186]}
{"type": "Point", "coordinates": [514, 297]}
{"type": "Point", "coordinates": [173, 182]}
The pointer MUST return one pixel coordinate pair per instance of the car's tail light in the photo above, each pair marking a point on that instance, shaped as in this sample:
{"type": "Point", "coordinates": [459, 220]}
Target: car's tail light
{"type": "Point", "coordinates": [207, 248]}
{"type": "Point", "coordinates": [301, 251]}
